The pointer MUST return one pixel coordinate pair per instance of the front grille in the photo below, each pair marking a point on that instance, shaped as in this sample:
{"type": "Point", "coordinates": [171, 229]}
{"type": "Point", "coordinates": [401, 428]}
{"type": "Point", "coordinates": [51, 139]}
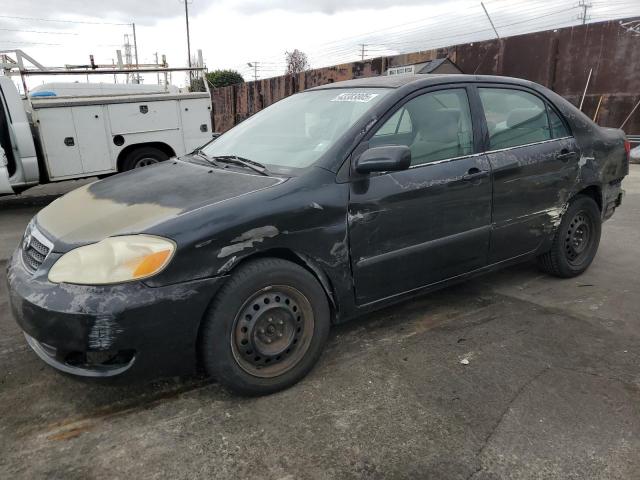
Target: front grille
{"type": "Point", "coordinates": [34, 251]}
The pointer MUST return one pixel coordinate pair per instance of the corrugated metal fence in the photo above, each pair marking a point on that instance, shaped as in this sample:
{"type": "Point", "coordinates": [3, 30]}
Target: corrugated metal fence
{"type": "Point", "coordinates": [559, 59]}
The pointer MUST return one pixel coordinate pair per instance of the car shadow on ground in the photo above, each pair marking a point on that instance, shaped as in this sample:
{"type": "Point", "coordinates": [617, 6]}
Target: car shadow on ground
{"type": "Point", "coordinates": [100, 398]}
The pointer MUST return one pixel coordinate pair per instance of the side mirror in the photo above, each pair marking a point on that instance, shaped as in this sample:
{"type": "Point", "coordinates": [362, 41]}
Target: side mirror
{"type": "Point", "coordinates": [384, 159]}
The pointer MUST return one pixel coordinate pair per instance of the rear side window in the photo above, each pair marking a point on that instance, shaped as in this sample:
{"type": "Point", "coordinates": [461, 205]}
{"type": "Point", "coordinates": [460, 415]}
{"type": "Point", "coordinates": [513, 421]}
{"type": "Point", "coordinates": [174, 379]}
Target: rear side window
{"type": "Point", "coordinates": [514, 117]}
{"type": "Point", "coordinates": [435, 126]}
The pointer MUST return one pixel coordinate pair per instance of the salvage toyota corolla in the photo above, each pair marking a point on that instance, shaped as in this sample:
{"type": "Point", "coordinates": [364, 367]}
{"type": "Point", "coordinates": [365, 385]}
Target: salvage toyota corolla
{"type": "Point", "coordinates": [326, 205]}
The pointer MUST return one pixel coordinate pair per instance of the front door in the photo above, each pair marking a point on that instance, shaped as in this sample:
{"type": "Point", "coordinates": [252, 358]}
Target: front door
{"type": "Point", "coordinates": [534, 162]}
{"type": "Point", "coordinates": [431, 222]}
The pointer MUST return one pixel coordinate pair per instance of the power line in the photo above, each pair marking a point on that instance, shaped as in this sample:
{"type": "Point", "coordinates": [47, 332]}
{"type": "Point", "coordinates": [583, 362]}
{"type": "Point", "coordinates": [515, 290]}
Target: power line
{"type": "Point", "coordinates": [36, 31]}
{"type": "Point", "coordinates": [331, 50]}
{"type": "Point", "coordinates": [85, 22]}
{"type": "Point", "coordinates": [56, 44]}
{"type": "Point", "coordinates": [466, 33]}
{"type": "Point", "coordinates": [535, 16]}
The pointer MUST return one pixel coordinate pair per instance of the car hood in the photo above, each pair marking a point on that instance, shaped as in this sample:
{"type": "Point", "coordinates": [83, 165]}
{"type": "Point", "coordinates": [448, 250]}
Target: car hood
{"type": "Point", "coordinates": [138, 200]}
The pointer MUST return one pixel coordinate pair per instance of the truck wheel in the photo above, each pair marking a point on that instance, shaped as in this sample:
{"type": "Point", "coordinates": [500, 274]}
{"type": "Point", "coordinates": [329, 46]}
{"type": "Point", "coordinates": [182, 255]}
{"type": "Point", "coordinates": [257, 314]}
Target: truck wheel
{"type": "Point", "coordinates": [143, 156]}
{"type": "Point", "coordinates": [576, 240]}
{"type": "Point", "coordinates": [266, 327]}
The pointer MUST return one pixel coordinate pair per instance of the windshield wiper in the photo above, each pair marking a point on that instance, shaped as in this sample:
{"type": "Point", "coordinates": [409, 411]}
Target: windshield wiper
{"type": "Point", "coordinates": [245, 162]}
{"type": "Point", "coordinates": [204, 156]}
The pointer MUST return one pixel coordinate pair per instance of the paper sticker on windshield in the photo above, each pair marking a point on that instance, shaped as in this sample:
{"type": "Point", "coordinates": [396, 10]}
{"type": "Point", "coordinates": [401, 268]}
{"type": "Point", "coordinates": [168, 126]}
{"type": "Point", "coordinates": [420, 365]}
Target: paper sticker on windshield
{"type": "Point", "coordinates": [355, 97]}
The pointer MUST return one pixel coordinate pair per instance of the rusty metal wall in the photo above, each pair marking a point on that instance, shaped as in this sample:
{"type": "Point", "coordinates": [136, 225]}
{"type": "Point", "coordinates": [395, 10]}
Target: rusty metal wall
{"type": "Point", "coordinates": [559, 59]}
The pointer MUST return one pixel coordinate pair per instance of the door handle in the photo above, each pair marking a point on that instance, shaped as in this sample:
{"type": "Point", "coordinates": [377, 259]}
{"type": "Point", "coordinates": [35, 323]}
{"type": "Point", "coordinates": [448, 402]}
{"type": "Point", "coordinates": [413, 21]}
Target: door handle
{"type": "Point", "coordinates": [566, 155]}
{"type": "Point", "coordinates": [474, 174]}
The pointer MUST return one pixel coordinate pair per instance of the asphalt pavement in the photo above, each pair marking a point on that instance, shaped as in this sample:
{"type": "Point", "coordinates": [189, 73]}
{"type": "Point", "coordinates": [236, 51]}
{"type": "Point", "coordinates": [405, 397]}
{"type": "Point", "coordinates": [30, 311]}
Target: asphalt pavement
{"type": "Point", "coordinates": [514, 375]}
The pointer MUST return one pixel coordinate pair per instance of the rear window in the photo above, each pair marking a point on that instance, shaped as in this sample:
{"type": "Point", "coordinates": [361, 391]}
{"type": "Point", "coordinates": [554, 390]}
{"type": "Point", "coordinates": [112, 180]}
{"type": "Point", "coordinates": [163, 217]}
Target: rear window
{"type": "Point", "coordinates": [515, 118]}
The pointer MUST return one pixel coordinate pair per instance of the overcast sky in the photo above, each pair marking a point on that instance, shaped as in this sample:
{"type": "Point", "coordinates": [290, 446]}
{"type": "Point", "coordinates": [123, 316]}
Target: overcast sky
{"type": "Point", "coordinates": [234, 32]}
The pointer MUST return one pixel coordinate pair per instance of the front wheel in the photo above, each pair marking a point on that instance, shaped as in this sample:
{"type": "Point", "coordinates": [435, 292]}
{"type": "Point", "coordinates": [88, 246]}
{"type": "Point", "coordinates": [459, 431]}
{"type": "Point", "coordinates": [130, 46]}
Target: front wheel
{"type": "Point", "coordinates": [266, 328]}
{"type": "Point", "coordinates": [576, 240]}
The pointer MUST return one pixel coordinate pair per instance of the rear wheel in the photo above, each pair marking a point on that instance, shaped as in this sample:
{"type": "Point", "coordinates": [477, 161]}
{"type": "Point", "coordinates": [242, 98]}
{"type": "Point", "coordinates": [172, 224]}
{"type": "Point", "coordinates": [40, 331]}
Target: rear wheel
{"type": "Point", "coordinates": [142, 157]}
{"type": "Point", "coordinates": [576, 241]}
{"type": "Point", "coordinates": [266, 328]}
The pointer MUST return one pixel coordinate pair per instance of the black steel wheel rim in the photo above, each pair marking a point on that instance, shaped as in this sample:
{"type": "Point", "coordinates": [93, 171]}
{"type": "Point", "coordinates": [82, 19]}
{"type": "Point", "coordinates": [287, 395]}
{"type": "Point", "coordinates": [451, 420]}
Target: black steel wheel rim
{"type": "Point", "coordinates": [272, 331]}
{"type": "Point", "coordinates": [579, 238]}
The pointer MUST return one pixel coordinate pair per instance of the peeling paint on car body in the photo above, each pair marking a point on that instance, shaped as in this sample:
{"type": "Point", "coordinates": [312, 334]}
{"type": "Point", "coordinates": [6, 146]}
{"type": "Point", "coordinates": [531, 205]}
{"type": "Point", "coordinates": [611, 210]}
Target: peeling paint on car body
{"type": "Point", "coordinates": [248, 239]}
{"type": "Point", "coordinates": [370, 240]}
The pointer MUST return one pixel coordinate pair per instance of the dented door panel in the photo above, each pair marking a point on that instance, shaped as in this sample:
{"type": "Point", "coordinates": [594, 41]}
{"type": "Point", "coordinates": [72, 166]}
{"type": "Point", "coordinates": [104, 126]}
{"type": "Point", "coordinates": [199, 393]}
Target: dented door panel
{"type": "Point", "coordinates": [531, 186]}
{"type": "Point", "coordinates": [420, 226]}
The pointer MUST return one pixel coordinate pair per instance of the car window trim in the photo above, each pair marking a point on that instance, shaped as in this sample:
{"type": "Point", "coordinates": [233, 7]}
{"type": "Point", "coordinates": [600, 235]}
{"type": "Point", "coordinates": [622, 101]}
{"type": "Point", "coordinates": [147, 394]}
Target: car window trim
{"type": "Point", "coordinates": [466, 86]}
{"type": "Point", "coordinates": [567, 127]}
{"type": "Point", "coordinates": [487, 152]}
{"type": "Point", "coordinates": [523, 88]}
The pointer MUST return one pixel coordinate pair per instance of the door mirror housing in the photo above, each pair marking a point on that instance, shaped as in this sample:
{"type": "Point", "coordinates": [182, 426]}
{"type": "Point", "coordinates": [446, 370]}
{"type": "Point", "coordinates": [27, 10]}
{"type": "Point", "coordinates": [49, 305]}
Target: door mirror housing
{"type": "Point", "coordinates": [384, 159]}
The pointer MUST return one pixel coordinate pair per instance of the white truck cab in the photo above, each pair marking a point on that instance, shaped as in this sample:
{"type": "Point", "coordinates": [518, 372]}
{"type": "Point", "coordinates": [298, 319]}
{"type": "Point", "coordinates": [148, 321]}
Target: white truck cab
{"type": "Point", "coordinates": [84, 134]}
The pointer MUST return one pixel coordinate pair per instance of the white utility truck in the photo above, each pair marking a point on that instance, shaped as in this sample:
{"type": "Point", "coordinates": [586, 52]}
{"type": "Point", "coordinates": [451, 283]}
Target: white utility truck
{"type": "Point", "coordinates": [52, 137]}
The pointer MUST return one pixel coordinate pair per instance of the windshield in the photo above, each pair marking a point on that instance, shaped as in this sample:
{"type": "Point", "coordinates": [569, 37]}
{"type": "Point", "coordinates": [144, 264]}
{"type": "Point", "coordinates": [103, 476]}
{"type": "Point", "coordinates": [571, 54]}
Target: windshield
{"type": "Point", "coordinates": [293, 133]}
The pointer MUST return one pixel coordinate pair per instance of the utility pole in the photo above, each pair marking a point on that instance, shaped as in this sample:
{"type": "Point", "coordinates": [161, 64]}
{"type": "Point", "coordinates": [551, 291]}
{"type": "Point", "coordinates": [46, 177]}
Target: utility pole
{"type": "Point", "coordinates": [254, 65]}
{"type": "Point", "coordinates": [135, 50]}
{"type": "Point", "coordinates": [186, 17]}
{"type": "Point", "coordinates": [490, 21]}
{"type": "Point", "coordinates": [362, 51]}
{"type": "Point", "coordinates": [157, 74]}
{"type": "Point", "coordinates": [584, 6]}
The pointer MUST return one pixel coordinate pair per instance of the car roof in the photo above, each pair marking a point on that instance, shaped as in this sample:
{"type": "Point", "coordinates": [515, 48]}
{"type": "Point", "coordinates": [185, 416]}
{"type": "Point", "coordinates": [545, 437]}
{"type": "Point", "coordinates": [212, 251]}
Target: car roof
{"type": "Point", "coordinates": [397, 81]}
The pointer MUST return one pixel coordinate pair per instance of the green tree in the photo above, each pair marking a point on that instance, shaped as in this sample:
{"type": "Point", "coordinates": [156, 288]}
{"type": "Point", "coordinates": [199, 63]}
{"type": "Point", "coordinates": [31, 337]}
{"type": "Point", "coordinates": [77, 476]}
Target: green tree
{"type": "Point", "coordinates": [224, 78]}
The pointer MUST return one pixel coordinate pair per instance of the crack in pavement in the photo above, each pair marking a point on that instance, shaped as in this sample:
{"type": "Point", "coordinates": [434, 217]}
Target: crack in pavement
{"type": "Point", "coordinates": [491, 434]}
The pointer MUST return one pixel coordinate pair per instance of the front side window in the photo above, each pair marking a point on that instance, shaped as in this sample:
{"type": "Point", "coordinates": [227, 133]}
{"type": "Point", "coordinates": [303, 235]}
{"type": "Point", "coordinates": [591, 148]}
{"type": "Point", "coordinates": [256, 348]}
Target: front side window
{"type": "Point", "coordinates": [294, 133]}
{"type": "Point", "coordinates": [514, 117]}
{"type": "Point", "coordinates": [435, 126]}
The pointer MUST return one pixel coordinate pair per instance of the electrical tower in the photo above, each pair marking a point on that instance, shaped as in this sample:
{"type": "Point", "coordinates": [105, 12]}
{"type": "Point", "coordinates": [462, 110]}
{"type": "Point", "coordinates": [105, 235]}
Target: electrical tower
{"type": "Point", "coordinates": [128, 58]}
{"type": "Point", "coordinates": [584, 6]}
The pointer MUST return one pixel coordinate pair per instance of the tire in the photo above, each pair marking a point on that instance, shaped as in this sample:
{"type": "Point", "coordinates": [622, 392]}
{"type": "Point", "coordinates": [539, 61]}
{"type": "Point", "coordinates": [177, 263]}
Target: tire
{"type": "Point", "coordinates": [576, 240]}
{"type": "Point", "coordinates": [143, 156]}
{"type": "Point", "coordinates": [266, 328]}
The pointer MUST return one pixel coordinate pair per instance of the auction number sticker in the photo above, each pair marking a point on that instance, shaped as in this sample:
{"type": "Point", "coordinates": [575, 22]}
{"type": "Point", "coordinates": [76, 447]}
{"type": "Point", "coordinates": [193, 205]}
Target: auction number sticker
{"type": "Point", "coordinates": [355, 97]}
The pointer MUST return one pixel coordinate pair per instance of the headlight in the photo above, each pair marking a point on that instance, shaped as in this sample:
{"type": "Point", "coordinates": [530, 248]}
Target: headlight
{"type": "Point", "coordinates": [113, 260]}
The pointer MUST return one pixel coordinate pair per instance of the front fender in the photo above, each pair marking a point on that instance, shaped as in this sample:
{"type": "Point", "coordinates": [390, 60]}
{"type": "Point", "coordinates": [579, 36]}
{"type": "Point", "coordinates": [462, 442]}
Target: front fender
{"type": "Point", "coordinates": [308, 219]}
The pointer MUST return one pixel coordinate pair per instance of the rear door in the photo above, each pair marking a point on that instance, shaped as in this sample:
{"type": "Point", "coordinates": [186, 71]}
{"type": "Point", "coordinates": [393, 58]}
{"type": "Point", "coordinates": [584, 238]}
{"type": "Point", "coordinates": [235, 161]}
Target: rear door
{"type": "Point", "coordinates": [416, 227]}
{"type": "Point", "coordinates": [533, 158]}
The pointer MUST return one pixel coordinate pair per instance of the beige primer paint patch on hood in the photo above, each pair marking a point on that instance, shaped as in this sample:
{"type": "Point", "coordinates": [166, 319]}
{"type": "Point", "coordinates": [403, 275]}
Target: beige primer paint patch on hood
{"type": "Point", "coordinates": [80, 217]}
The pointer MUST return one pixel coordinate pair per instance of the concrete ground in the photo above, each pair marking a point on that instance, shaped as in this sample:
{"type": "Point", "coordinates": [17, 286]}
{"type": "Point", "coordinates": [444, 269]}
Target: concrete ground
{"type": "Point", "coordinates": [551, 390]}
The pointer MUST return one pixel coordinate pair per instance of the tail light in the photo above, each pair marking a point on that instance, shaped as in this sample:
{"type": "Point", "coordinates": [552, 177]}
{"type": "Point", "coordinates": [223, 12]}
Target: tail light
{"type": "Point", "coordinates": [627, 149]}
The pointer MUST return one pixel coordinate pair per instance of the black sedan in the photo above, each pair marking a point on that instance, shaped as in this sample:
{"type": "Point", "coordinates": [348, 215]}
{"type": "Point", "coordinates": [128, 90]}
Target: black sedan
{"type": "Point", "coordinates": [326, 205]}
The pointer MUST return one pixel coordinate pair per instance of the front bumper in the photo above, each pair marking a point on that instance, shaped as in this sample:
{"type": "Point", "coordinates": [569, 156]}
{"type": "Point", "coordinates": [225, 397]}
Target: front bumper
{"type": "Point", "coordinates": [106, 331]}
